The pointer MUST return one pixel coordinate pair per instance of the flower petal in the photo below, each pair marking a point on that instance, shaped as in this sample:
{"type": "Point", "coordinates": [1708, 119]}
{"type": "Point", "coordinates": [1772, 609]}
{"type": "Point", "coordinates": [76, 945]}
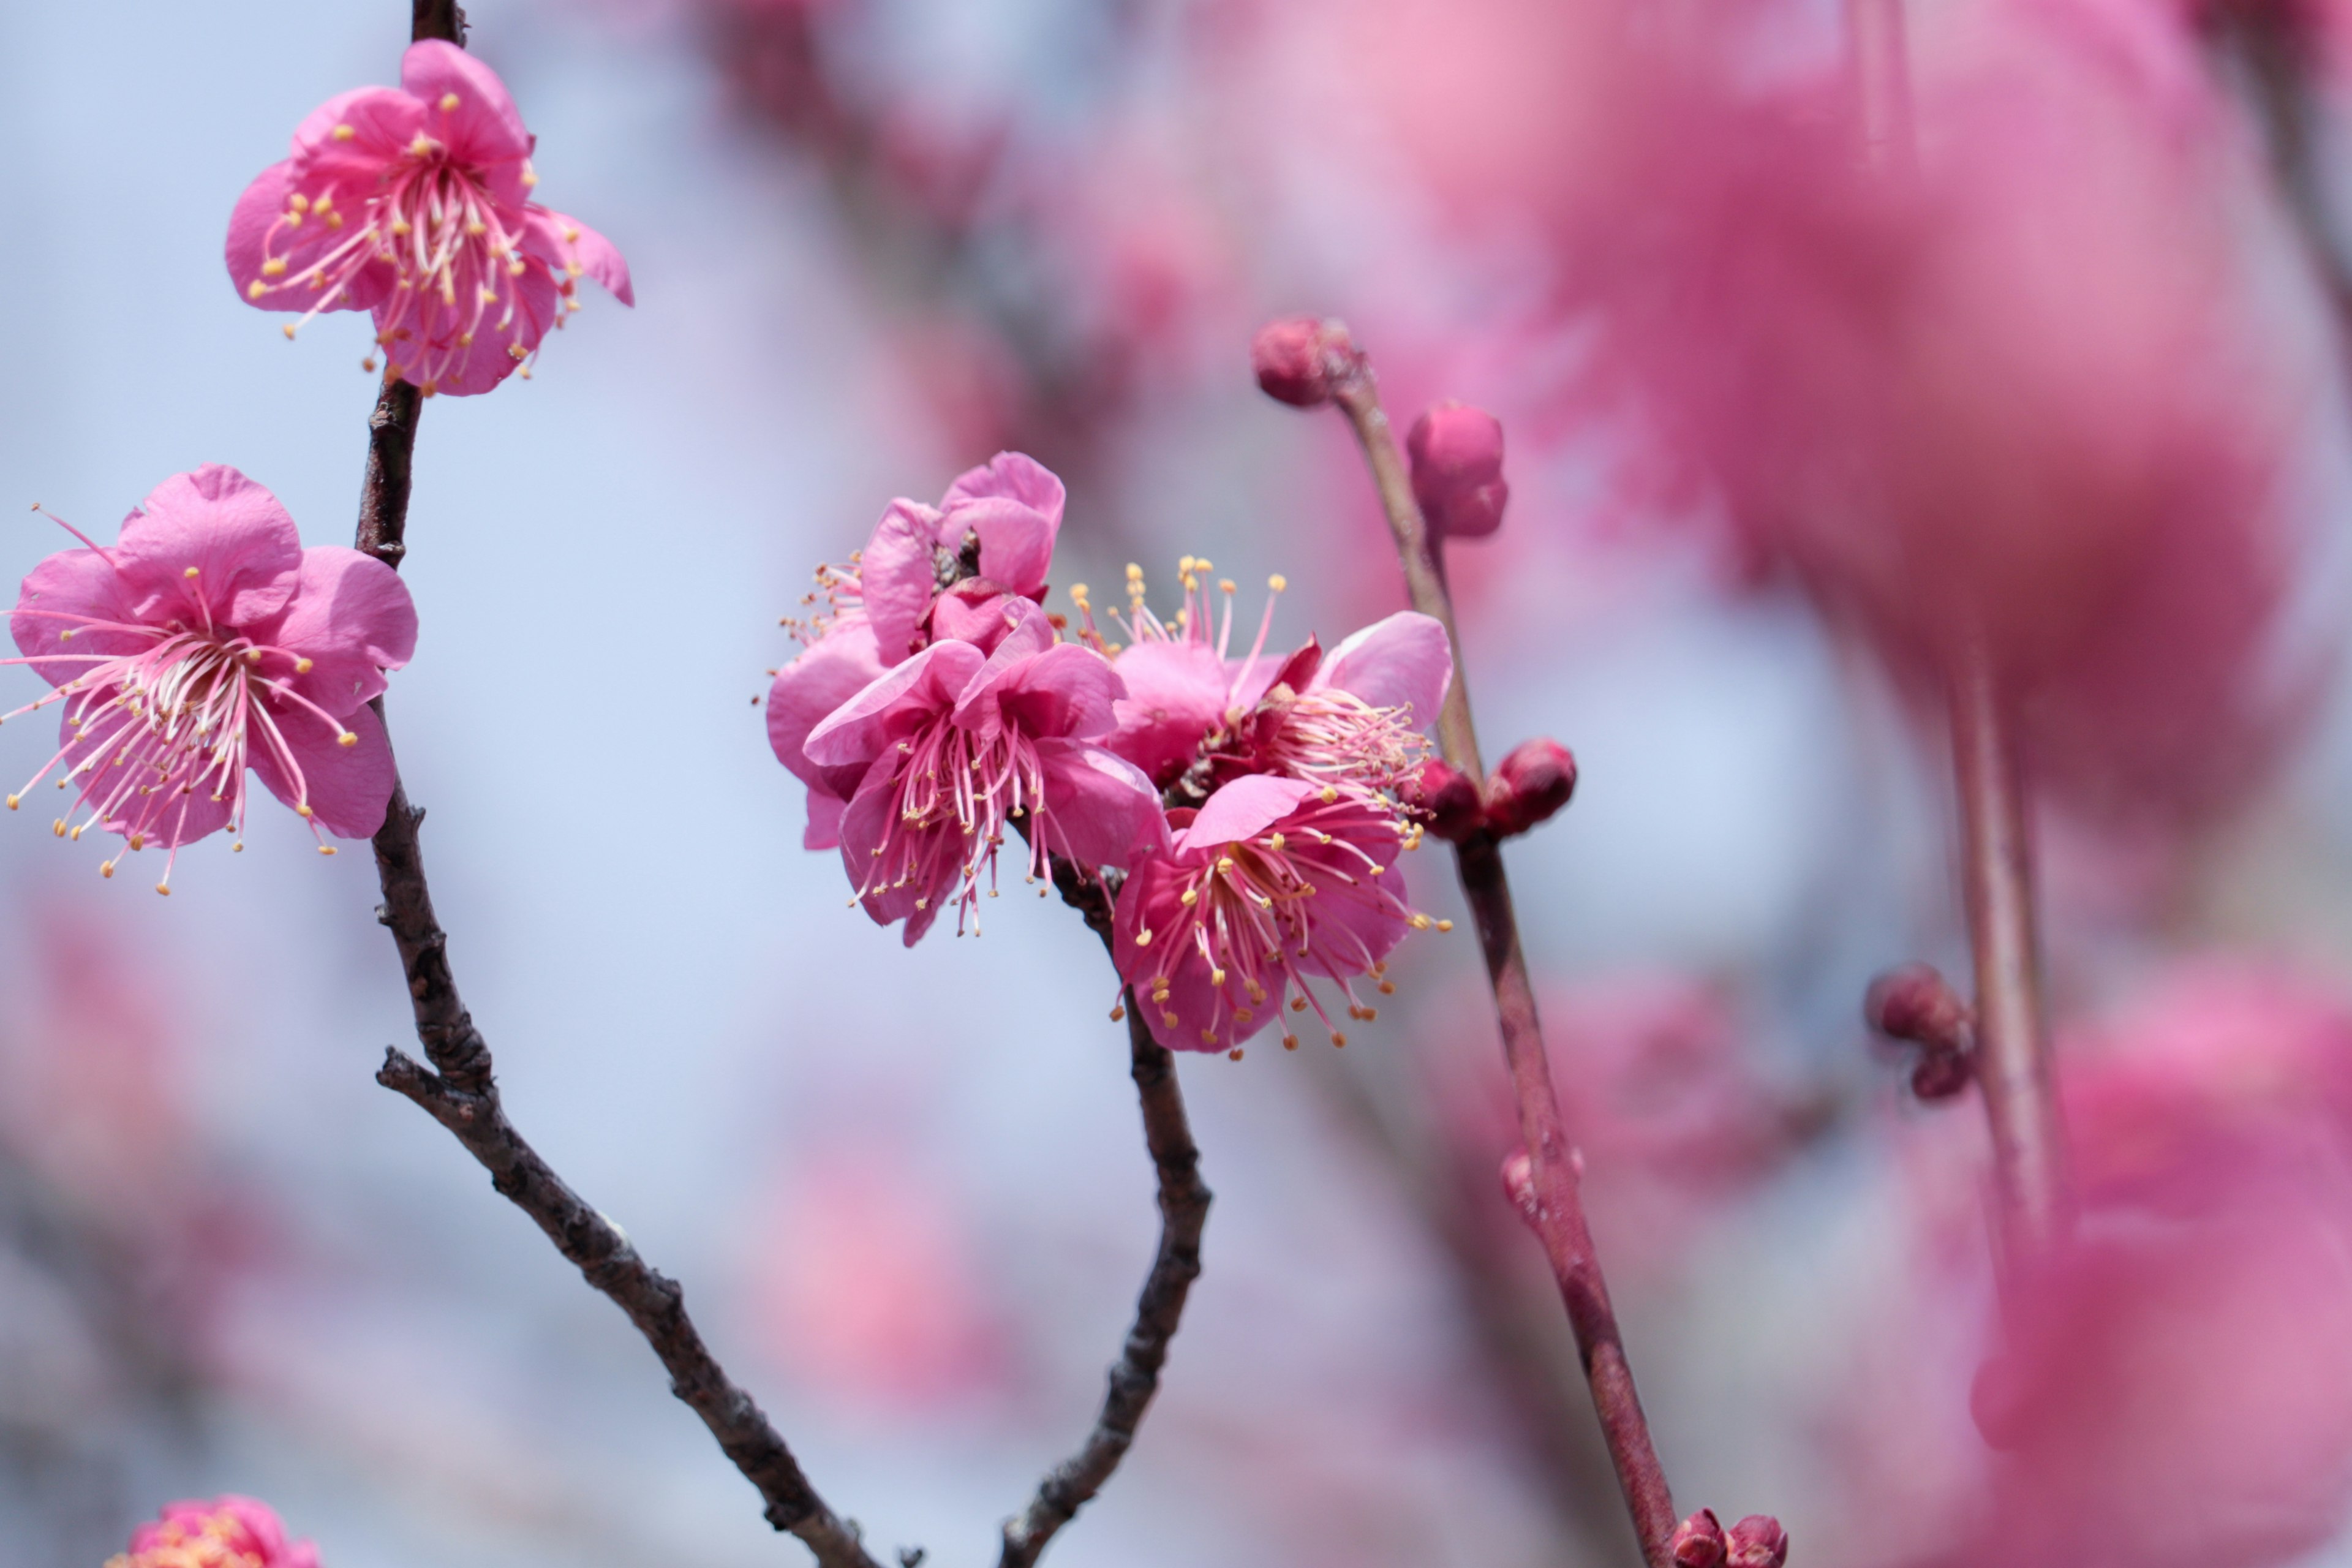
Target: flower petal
{"type": "Point", "coordinates": [1176, 693]}
{"type": "Point", "coordinates": [349, 788]}
{"type": "Point", "coordinates": [573, 248]}
{"type": "Point", "coordinates": [209, 546]}
{"type": "Point", "coordinates": [899, 578]}
{"type": "Point", "coordinates": [1401, 662]}
{"type": "Point", "coordinates": [1014, 476]}
{"type": "Point", "coordinates": [1246, 806]}
{"type": "Point", "coordinates": [828, 673]}
{"type": "Point", "coordinates": [352, 618]}
{"type": "Point", "coordinates": [80, 583]}
{"type": "Point", "coordinates": [482, 126]}
{"type": "Point", "coordinates": [1099, 809]}
{"type": "Point", "coordinates": [1065, 693]}
{"type": "Point", "coordinates": [893, 705]}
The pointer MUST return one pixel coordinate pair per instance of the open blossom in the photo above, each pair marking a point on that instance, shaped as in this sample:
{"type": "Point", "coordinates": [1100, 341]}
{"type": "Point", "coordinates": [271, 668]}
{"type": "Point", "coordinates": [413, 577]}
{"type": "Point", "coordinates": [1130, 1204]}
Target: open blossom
{"type": "Point", "coordinates": [956, 746]}
{"type": "Point", "coordinates": [1195, 716]}
{"type": "Point", "coordinates": [226, 1532]}
{"type": "Point", "coordinates": [205, 641]}
{"type": "Point", "coordinates": [911, 585]}
{"type": "Point", "coordinates": [1273, 883]}
{"type": "Point", "coordinates": [414, 203]}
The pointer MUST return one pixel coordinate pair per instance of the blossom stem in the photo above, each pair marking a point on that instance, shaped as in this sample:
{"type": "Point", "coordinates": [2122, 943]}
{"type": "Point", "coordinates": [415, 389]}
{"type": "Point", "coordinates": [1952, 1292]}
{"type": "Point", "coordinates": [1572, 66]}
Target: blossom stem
{"type": "Point", "coordinates": [2012, 1066]}
{"type": "Point", "coordinates": [1184, 1213]}
{"type": "Point", "coordinates": [1553, 1206]}
{"type": "Point", "coordinates": [460, 1089]}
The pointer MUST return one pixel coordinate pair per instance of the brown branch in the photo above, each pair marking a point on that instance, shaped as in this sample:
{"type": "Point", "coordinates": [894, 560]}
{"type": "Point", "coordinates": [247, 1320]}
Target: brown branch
{"type": "Point", "coordinates": [1552, 1202]}
{"type": "Point", "coordinates": [1183, 1211]}
{"type": "Point", "coordinates": [460, 1090]}
{"type": "Point", "coordinates": [2011, 1060]}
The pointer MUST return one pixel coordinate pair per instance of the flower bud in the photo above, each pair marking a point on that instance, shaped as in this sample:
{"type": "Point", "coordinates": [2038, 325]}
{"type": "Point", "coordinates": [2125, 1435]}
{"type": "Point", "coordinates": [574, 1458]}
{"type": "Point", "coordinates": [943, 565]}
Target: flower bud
{"type": "Point", "coordinates": [1457, 470]}
{"type": "Point", "coordinates": [1698, 1541]}
{"type": "Point", "coordinates": [1298, 358]}
{"type": "Point", "coordinates": [1444, 800]}
{"type": "Point", "coordinates": [1758, 1541]}
{"type": "Point", "coordinates": [1912, 1001]}
{"type": "Point", "coordinates": [1529, 785]}
{"type": "Point", "coordinates": [1519, 1183]}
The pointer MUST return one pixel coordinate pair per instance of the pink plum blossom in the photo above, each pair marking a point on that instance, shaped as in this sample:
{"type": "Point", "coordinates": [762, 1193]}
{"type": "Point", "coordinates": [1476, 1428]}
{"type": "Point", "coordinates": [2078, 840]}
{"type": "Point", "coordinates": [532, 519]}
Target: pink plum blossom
{"type": "Point", "coordinates": [206, 641]}
{"type": "Point", "coordinates": [890, 605]}
{"type": "Point", "coordinates": [1273, 883]}
{"type": "Point", "coordinates": [1351, 719]}
{"type": "Point", "coordinates": [414, 203]}
{"type": "Point", "coordinates": [228, 1532]}
{"type": "Point", "coordinates": [955, 745]}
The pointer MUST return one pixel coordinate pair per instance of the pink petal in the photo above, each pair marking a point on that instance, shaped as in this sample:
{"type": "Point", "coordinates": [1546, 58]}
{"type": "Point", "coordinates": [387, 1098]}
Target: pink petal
{"type": "Point", "coordinates": [1100, 809]}
{"type": "Point", "coordinates": [384, 122]}
{"type": "Point", "coordinates": [893, 705]}
{"type": "Point", "coordinates": [245, 550]}
{"type": "Point", "coordinates": [1017, 542]}
{"type": "Point", "coordinates": [1175, 696]}
{"type": "Point", "coordinates": [1065, 693]}
{"type": "Point", "coordinates": [483, 126]}
{"type": "Point", "coordinates": [73, 583]}
{"type": "Point", "coordinates": [1242, 809]}
{"type": "Point", "coordinates": [255, 237]}
{"type": "Point", "coordinates": [1014, 476]}
{"type": "Point", "coordinates": [1401, 662]}
{"type": "Point", "coordinates": [1377, 927]}
{"type": "Point", "coordinates": [352, 618]}
{"type": "Point", "coordinates": [566, 242]}
{"type": "Point", "coordinates": [1030, 636]}
{"type": "Point", "coordinates": [350, 786]}
{"type": "Point", "coordinates": [898, 577]}
{"type": "Point", "coordinates": [863, 829]}
{"type": "Point", "coordinates": [828, 673]}
{"type": "Point", "coordinates": [498, 350]}
{"type": "Point", "coordinates": [824, 812]}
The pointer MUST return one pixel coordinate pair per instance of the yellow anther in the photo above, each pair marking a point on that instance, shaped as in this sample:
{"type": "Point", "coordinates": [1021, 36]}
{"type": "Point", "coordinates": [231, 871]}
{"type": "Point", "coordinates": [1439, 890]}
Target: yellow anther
{"type": "Point", "coordinates": [430, 389]}
{"type": "Point", "coordinates": [1277, 582]}
{"type": "Point", "coordinates": [572, 235]}
{"type": "Point", "coordinates": [1388, 987]}
{"type": "Point", "coordinates": [1445, 925]}
{"type": "Point", "coordinates": [58, 828]}
{"type": "Point", "coordinates": [345, 132]}
{"type": "Point", "coordinates": [1143, 937]}
{"type": "Point", "coordinates": [515, 350]}
{"type": "Point", "coordinates": [1275, 843]}
{"type": "Point", "coordinates": [1290, 1042]}
{"type": "Point", "coordinates": [1224, 584]}
{"type": "Point", "coordinates": [139, 841]}
{"type": "Point", "coordinates": [105, 868]}
{"type": "Point", "coordinates": [1167, 1020]}
{"type": "Point", "coordinates": [14, 800]}
{"type": "Point", "coordinates": [293, 220]}
{"type": "Point", "coordinates": [573, 269]}
{"type": "Point", "coordinates": [323, 848]}
{"type": "Point", "coordinates": [290, 331]}
{"type": "Point", "coordinates": [1191, 896]}
{"type": "Point", "coordinates": [1118, 1011]}
{"type": "Point", "coordinates": [1134, 572]}
{"type": "Point", "coordinates": [1234, 1054]}
{"type": "Point", "coordinates": [238, 848]}
{"type": "Point", "coordinates": [402, 228]}
{"type": "Point", "coordinates": [273, 267]}
{"type": "Point", "coordinates": [1225, 864]}
{"type": "Point", "coordinates": [530, 176]}
{"type": "Point", "coordinates": [421, 147]}
{"type": "Point", "coordinates": [1337, 1039]}
{"type": "Point", "coordinates": [303, 810]}
{"type": "Point", "coordinates": [448, 102]}
{"type": "Point", "coordinates": [1209, 1036]}
{"type": "Point", "coordinates": [1328, 795]}
{"type": "Point", "coordinates": [1216, 977]}
{"type": "Point", "coordinates": [323, 202]}
{"type": "Point", "coordinates": [73, 835]}
{"type": "Point", "coordinates": [334, 220]}
{"type": "Point", "coordinates": [1242, 1016]}
{"type": "Point", "coordinates": [302, 667]}
{"type": "Point", "coordinates": [477, 228]}
{"type": "Point", "coordinates": [514, 268]}
{"type": "Point", "coordinates": [465, 340]}
{"type": "Point", "coordinates": [189, 572]}
{"type": "Point", "coordinates": [1299, 1004]}
{"type": "Point", "coordinates": [298, 202]}
{"type": "Point", "coordinates": [1420, 922]}
{"type": "Point", "coordinates": [348, 738]}
{"type": "Point", "coordinates": [165, 888]}
{"type": "Point", "coordinates": [256, 289]}
{"type": "Point", "coordinates": [489, 296]}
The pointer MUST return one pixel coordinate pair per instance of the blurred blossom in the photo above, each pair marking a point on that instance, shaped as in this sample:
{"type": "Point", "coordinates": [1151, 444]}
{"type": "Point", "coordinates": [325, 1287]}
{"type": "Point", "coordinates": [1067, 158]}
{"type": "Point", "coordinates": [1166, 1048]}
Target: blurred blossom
{"type": "Point", "coordinates": [2176, 1388]}
{"type": "Point", "coordinates": [869, 1288]}
{"type": "Point", "coordinates": [2018, 392]}
{"type": "Point", "coordinates": [226, 1532]}
{"type": "Point", "coordinates": [1661, 1093]}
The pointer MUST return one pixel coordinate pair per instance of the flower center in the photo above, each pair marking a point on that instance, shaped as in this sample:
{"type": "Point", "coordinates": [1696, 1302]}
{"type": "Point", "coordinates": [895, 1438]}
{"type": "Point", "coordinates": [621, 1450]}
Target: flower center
{"type": "Point", "coordinates": [957, 793]}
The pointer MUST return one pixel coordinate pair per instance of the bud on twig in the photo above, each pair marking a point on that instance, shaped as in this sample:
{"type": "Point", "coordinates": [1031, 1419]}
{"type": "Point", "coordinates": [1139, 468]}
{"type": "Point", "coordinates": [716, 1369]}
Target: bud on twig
{"type": "Point", "coordinates": [1698, 1541]}
{"type": "Point", "coordinates": [1529, 785]}
{"type": "Point", "coordinates": [1912, 1001]}
{"type": "Point", "coordinates": [1457, 470]}
{"type": "Point", "coordinates": [1519, 1183]}
{"type": "Point", "coordinates": [1758, 1541]}
{"type": "Point", "coordinates": [1443, 800]}
{"type": "Point", "coordinates": [1300, 360]}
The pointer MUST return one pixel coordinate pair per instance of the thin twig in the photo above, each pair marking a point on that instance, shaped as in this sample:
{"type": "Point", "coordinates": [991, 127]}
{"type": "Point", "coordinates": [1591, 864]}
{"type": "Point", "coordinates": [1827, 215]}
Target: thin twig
{"type": "Point", "coordinates": [1183, 1211]}
{"type": "Point", "coordinates": [2012, 1058]}
{"type": "Point", "coordinates": [1555, 1209]}
{"type": "Point", "coordinates": [460, 1090]}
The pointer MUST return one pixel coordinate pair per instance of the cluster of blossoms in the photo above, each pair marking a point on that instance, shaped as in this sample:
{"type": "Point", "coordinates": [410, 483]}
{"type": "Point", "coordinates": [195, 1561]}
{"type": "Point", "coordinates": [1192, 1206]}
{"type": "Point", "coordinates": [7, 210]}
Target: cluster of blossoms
{"type": "Point", "coordinates": [1246, 806]}
{"type": "Point", "coordinates": [226, 1532]}
{"type": "Point", "coordinates": [414, 203]}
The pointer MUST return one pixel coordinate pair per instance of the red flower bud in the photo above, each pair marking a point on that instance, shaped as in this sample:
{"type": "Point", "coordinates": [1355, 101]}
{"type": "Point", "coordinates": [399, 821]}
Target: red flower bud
{"type": "Point", "coordinates": [1698, 1541]}
{"type": "Point", "coordinates": [1444, 801]}
{"type": "Point", "coordinates": [1758, 1541]}
{"type": "Point", "coordinates": [1457, 470]}
{"type": "Point", "coordinates": [1941, 1075]}
{"type": "Point", "coordinates": [1912, 1001]}
{"type": "Point", "coordinates": [1531, 783]}
{"type": "Point", "coordinates": [1298, 359]}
